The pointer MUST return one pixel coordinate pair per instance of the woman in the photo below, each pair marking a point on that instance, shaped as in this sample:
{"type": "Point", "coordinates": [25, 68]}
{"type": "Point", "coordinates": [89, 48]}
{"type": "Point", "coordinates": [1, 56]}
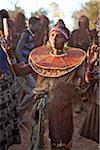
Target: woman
{"type": "Point", "coordinates": [60, 24]}
{"type": "Point", "coordinates": [54, 91]}
{"type": "Point", "coordinates": [90, 127]}
{"type": "Point", "coordinates": [81, 38]}
{"type": "Point", "coordinates": [20, 25]}
{"type": "Point", "coordinates": [29, 39]}
{"type": "Point", "coordinates": [9, 126]}
{"type": "Point", "coordinates": [45, 26]}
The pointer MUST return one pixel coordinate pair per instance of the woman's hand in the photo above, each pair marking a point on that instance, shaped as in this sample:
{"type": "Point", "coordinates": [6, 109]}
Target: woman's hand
{"type": "Point", "coordinates": [92, 58]}
{"type": "Point", "coordinates": [92, 54]}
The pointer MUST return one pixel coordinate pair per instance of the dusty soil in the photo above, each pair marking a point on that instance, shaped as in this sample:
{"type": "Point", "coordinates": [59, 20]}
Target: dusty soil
{"type": "Point", "coordinates": [79, 143]}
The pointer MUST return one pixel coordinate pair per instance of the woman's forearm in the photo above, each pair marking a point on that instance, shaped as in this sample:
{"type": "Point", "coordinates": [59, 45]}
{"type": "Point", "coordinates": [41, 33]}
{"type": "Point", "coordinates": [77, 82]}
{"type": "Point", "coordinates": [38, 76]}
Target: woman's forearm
{"type": "Point", "coordinates": [21, 71]}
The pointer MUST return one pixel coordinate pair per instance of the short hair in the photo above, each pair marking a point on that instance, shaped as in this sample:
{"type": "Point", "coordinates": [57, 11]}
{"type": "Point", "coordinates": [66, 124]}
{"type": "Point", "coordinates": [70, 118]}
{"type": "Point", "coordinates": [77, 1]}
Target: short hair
{"type": "Point", "coordinates": [33, 20]}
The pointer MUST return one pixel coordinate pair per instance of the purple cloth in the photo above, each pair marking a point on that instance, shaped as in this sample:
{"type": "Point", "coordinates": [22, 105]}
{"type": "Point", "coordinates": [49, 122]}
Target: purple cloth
{"type": "Point", "coordinates": [4, 65]}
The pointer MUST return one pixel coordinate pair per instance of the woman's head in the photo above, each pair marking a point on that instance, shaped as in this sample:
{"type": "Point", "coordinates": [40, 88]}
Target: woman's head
{"type": "Point", "coordinates": [20, 23]}
{"type": "Point", "coordinates": [84, 22]}
{"type": "Point", "coordinates": [35, 24]}
{"type": "Point", "coordinates": [57, 38]}
{"type": "Point", "coordinates": [44, 20]}
{"type": "Point", "coordinates": [60, 23]}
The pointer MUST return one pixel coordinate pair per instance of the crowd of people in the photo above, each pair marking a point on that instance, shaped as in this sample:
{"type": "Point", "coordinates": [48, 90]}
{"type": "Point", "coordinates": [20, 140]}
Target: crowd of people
{"type": "Point", "coordinates": [47, 69]}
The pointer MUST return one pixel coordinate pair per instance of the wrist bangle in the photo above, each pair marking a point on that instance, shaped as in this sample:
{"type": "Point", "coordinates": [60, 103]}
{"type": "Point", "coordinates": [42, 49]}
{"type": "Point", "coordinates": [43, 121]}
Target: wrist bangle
{"type": "Point", "coordinates": [92, 72]}
{"type": "Point", "coordinates": [91, 75]}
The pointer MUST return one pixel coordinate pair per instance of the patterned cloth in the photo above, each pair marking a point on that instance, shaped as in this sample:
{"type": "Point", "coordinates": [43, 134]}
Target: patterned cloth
{"type": "Point", "coordinates": [90, 127]}
{"type": "Point", "coordinates": [38, 123]}
{"type": "Point", "coordinates": [4, 65]}
{"type": "Point", "coordinates": [9, 129]}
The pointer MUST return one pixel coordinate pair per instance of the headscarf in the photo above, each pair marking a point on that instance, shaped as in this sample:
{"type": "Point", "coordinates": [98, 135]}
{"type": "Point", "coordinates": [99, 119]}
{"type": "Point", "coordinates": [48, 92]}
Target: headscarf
{"type": "Point", "coordinates": [61, 31]}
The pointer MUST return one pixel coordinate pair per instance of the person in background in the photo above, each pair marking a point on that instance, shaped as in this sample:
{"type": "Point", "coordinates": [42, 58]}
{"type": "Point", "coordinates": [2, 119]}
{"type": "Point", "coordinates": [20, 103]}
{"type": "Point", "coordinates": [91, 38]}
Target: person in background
{"type": "Point", "coordinates": [30, 38]}
{"type": "Point", "coordinates": [20, 25]}
{"type": "Point", "coordinates": [81, 37]}
{"type": "Point", "coordinates": [90, 127]}
{"type": "Point", "coordinates": [11, 29]}
{"type": "Point", "coordinates": [27, 41]}
{"type": "Point", "coordinates": [60, 24]}
{"type": "Point", "coordinates": [9, 125]}
{"type": "Point", "coordinates": [20, 22]}
{"type": "Point", "coordinates": [98, 29]}
{"type": "Point", "coordinates": [44, 22]}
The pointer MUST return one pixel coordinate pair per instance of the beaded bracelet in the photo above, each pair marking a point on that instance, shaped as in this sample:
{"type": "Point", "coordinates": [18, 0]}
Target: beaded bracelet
{"type": "Point", "coordinates": [91, 75]}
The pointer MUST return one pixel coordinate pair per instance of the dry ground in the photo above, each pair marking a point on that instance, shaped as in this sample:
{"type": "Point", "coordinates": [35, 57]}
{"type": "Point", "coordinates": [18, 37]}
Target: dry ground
{"type": "Point", "coordinates": [79, 143]}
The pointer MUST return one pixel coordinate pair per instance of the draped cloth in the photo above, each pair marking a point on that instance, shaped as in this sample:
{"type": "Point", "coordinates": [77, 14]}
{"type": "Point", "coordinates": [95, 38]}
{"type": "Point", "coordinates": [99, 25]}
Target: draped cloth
{"type": "Point", "coordinates": [9, 127]}
{"type": "Point", "coordinates": [53, 124]}
{"type": "Point", "coordinates": [90, 127]}
{"type": "Point", "coordinates": [38, 121]}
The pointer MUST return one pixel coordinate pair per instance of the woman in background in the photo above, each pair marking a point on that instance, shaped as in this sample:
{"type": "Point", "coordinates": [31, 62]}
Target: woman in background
{"type": "Point", "coordinates": [9, 126]}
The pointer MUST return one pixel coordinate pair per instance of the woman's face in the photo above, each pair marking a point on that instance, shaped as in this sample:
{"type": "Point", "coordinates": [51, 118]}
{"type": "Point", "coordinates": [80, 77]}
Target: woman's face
{"type": "Point", "coordinates": [60, 24]}
{"type": "Point", "coordinates": [36, 27]}
{"type": "Point", "coordinates": [83, 22]}
{"type": "Point", "coordinates": [56, 40]}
